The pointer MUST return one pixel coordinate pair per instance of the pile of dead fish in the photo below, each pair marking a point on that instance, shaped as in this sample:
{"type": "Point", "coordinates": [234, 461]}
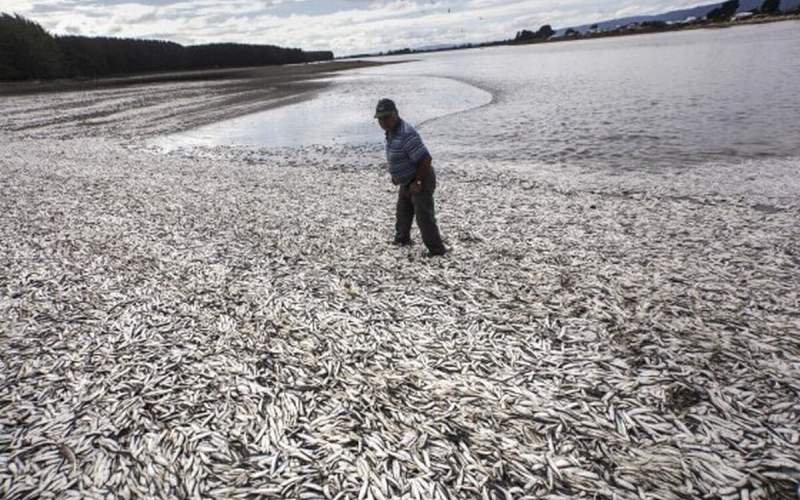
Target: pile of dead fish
{"type": "Point", "coordinates": [205, 327]}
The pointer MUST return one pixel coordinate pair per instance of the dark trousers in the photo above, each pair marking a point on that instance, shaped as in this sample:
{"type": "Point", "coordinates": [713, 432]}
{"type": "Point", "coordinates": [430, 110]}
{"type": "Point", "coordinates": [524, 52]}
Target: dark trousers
{"type": "Point", "coordinates": [420, 205]}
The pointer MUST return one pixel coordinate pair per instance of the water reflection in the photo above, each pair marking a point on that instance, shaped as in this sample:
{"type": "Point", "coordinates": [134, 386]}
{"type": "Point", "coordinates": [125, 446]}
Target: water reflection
{"type": "Point", "coordinates": [648, 101]}
{"type": "Point", "coordinates": [340, 114]}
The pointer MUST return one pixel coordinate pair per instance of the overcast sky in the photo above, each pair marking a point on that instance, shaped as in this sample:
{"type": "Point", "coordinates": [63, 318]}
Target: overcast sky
{"type": "Point", "coordinates": [344, 26]}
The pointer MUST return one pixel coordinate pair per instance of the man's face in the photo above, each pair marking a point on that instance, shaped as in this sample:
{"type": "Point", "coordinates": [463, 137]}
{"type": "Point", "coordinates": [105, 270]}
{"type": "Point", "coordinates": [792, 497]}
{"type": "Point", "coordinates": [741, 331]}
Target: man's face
{"type": "Point", "coordinates": [388, 122]}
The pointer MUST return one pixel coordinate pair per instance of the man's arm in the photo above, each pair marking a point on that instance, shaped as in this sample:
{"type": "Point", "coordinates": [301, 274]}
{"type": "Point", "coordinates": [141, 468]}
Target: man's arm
{"type": "Point", "coordinates": [423, 167]}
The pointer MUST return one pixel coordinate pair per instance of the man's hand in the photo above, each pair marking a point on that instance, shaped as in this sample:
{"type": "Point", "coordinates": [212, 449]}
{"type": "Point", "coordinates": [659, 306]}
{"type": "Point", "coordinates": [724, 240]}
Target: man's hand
{"type": "Point", "coordinates": [423, 167]}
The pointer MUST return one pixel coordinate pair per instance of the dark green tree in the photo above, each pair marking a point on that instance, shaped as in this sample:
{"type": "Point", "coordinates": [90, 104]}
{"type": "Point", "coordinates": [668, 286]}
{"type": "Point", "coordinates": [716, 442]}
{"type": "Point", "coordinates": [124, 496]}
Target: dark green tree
{"type": "Point", "coordinates": [524, 35]}
{"type": "Point", "coordinates": [724, 12]}
{"type": "Point", "coordinates": [27, 51]}
{"type": "Point", "coordinates": [545, 32]}
{"type": "Point", "coordinates": [659, 25]}
{"type": "Point", "coordinates": [771, 6]}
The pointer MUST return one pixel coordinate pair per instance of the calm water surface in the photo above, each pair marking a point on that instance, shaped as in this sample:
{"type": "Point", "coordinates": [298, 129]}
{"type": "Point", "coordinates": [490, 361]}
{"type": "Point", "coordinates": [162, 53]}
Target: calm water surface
{"type": "Point", "coordinates": [649, 101]}
{"type": "Point", "coordinates": [340, 114]}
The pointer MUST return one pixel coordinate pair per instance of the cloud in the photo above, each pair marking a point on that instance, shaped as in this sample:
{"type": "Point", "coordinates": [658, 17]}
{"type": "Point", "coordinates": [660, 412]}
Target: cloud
{"type": "Point", "coordinates": [344, 26]}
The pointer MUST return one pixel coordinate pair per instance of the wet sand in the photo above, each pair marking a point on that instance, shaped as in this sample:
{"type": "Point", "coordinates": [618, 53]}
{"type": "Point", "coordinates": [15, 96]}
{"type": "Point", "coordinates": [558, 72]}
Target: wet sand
{"type": "Point", "coordinates": [149, 105]}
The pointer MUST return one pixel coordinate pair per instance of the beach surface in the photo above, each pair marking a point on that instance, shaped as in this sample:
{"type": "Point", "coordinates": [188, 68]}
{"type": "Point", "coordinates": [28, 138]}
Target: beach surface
{"type": "Point", "coordinates": [229, 322]}
{"type": "Point", "coordinates": [156, 104]}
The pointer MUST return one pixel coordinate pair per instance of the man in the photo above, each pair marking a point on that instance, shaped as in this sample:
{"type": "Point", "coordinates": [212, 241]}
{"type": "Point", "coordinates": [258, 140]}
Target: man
{"type": "Point", "coordinates": [411, 170]}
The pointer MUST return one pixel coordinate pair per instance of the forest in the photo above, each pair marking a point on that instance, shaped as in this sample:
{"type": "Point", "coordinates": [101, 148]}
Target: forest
{"type": "Point", "coordinates": [29, 52]}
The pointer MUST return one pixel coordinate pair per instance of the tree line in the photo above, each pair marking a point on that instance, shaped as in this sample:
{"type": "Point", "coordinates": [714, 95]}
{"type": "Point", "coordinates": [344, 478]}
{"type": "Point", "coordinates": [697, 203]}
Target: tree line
{"type": "Point", "coordinates": [542, 34]}
{"type": "Point", "coordinates": [28, 52]}
{"type": "Point", "coordinates": [725, 11]}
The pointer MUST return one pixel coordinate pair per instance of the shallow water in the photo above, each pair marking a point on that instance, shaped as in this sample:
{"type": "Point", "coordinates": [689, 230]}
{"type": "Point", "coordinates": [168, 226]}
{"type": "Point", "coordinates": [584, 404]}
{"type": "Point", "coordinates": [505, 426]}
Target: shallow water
{"type": "Point", "coordinates": [340, 114]}
{"type": "Point", "coordinates": [649, 101]}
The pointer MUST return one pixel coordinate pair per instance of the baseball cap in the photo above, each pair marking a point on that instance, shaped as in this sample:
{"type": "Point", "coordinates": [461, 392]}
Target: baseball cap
{"type": "Point", "coordinates": [385, 107]}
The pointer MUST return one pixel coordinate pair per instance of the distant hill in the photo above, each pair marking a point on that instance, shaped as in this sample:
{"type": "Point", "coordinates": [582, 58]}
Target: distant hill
{"type": "Point", "coordinates": [673, 16]}
{"type": "Point", "coordinates": [677, 15]}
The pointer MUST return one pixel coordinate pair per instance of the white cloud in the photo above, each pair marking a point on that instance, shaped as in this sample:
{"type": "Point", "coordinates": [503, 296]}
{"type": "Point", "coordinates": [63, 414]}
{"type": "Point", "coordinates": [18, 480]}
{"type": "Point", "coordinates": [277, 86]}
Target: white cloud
{"type": "Point", "coordinates": [344, 26]}
{"type": "Point", "coordinates": [20, 6]}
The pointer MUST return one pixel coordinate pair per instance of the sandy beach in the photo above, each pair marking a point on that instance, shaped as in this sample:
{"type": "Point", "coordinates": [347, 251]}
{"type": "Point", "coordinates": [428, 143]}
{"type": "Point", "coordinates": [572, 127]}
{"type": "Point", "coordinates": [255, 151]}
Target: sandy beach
{"type": "Point", "coordinates": [149, 105]}
{"type": "Point", "coordinates": [233, 323]}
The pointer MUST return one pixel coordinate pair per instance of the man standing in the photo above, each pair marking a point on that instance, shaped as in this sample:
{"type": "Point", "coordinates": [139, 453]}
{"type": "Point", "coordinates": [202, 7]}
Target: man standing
{"type": "Point", "coordinates": [411, 170]}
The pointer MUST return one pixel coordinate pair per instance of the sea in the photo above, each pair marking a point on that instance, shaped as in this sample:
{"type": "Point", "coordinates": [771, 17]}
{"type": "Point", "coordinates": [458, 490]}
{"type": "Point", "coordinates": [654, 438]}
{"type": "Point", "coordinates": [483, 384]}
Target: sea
{"type": "Point", "coordinates": [666, 100]}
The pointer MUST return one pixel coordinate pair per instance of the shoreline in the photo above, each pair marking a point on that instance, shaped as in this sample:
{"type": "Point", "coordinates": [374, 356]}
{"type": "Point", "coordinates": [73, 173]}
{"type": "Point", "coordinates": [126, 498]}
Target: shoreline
{"type": "Point", "coordinates": [653, 31]}
{"type": "Point", "coordinates": [641, 31]}
{"type": "Point", "coordinates": [246, 77]}
{"type": "Point", "coordinates": [150, 105]}
{"type": "Point", "coordinates": [224, 322]}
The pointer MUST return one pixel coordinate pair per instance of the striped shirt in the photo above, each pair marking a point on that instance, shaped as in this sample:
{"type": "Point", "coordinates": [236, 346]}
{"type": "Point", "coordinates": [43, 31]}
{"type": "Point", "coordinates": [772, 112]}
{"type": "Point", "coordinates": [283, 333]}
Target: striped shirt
{"type": "Point", "coordinates": [404, 150]}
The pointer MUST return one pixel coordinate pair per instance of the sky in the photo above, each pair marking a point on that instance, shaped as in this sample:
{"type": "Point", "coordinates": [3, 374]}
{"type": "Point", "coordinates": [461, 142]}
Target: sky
{"type": "Point", "coordinates": [344, 26]}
